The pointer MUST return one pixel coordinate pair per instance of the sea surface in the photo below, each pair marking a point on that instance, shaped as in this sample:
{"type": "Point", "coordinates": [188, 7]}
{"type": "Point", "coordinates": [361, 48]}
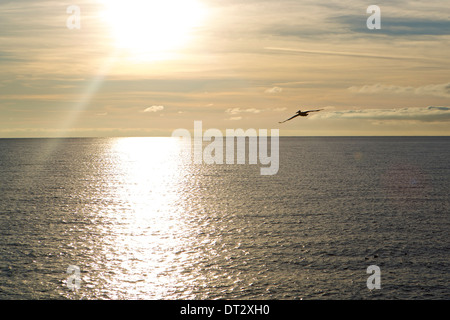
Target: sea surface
{"type": "Point", "coordinates": [141, 221]}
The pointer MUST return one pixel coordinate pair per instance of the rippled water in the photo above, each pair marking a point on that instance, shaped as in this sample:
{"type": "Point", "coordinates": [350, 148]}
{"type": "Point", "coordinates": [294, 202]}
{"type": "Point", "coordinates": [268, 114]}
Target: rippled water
{"type": "Point", "coordinates": [142, 222]}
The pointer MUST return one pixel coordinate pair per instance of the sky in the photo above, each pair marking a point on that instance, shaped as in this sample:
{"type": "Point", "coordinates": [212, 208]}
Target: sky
{"type": "Point", "coordinates": [146, 68]}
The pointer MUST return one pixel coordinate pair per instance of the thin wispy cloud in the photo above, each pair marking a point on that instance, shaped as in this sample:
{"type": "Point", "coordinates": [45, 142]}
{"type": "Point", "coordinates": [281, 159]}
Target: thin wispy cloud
{"type": "Point", "coordinates": [395, 25]}
{"type": "Point", "coordinates": [344, 53]}
{"type": "Point", "coordinates": [428, 114]}
{"type": "Point", "coordinates": [439, 90]}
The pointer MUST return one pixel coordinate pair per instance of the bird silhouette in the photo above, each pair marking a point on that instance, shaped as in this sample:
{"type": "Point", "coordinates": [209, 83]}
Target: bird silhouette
{"type": "Point", "coordinates": [301, 114]}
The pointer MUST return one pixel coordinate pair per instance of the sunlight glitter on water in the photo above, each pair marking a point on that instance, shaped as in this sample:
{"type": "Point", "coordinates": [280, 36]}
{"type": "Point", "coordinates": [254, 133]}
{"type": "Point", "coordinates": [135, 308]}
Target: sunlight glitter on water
{"type": "Point", "coordinates": [146, 178]}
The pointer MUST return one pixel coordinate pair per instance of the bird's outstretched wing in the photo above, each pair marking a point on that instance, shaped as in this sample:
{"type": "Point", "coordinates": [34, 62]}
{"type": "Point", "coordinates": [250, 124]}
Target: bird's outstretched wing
{"type": "Point", "coordinates": [289, 118]}
{"type": "Point", "coordinates": [313, 110]}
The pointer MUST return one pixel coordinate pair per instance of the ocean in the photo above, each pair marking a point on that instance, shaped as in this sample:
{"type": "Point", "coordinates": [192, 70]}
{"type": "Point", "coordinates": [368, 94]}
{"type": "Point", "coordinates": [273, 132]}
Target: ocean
{"type": "Point", "coordinates": [133, 218]}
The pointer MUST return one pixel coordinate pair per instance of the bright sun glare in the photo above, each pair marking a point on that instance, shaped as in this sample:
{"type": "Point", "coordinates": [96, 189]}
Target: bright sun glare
{"type": "Point", "coordinates": [152, 28]}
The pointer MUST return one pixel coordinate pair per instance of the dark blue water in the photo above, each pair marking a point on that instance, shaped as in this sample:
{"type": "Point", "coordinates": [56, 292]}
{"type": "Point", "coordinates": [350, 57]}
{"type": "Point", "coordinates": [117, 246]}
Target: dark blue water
{"type": "Point", "coordinates": [141, 222]}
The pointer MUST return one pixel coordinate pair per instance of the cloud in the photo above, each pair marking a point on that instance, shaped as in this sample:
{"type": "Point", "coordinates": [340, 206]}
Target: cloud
{"type": "Point", "coordinates": [396, 25]}
{"type": "Point", "coordinates": [343, 53]}
{"type": "Point", "coordinates": [439, 90]}
{"type": "Point", "coordinates": [154, 109]}
{"type": "Point", "coordinates": [439, 108]}
{"type": "Point", "coordinates": [235, 118]}
{"type": "Point", "coordinates": [239, 110]}
{"type": "Point", "coordinates": [429, 114]}
{"type": "Point", "coordinates": [274, 90]}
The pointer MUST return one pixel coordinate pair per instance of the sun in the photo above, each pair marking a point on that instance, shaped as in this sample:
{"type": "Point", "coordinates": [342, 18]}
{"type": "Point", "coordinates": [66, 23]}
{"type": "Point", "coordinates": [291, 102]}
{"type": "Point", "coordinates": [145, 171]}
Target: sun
{"type": "Point", "coordinates": [152, 29]}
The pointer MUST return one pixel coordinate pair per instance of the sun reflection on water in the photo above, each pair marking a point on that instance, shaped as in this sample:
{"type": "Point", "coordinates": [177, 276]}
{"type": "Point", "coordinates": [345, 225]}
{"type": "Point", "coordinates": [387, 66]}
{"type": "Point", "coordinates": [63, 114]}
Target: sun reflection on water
{"type": "Point", "coordinates": [143, 237]}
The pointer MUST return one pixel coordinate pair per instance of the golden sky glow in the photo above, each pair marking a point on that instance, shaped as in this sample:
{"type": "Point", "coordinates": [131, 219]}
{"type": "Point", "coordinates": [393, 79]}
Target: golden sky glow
{"type": "Point", "coordinates": [145, 68]}
{"type": "Point", "coordinates": [152, 30]}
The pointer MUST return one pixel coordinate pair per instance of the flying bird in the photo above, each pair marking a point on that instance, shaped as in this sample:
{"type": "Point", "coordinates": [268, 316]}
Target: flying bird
{"type": "Point", "coordinates": [301, 114]}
